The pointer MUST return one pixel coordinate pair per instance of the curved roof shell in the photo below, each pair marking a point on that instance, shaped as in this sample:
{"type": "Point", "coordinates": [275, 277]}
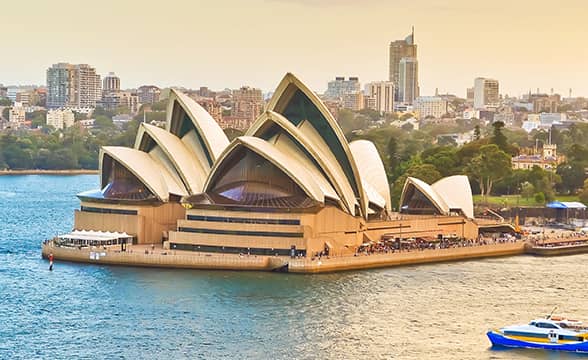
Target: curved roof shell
{"type": "Point", "coordinates": [457, 193]}
{"type": "Point", "coordinates": [372, 172]}
{"type": "Point", "coordinates": [192, 173]}
{"type": "Point", "coordinates": [194, 125]}
{"type": "Point", "coordinates": [152, 174]}
{"type": "Point", "coordinates": [270, 124]}
{"type": "Point", "coordinates": [287, 164]}
{"type": "Point", "coordinates": [302, 107]}
{"type": "Point", "coordinates": [428, 192]}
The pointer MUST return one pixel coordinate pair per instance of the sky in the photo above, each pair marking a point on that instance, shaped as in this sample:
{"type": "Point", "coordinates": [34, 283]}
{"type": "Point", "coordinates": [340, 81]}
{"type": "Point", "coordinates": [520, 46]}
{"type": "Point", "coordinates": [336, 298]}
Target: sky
{"type": "Point", "coordinates": [229, 43]}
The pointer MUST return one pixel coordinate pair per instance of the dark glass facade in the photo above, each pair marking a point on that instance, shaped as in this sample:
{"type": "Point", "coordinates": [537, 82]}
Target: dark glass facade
{"type": "Point", "coordinates": [246, 178]}
{"type": "Point", "coordinates": [417, 203]}
{"type": "Point", "coordinates": [122, 184]}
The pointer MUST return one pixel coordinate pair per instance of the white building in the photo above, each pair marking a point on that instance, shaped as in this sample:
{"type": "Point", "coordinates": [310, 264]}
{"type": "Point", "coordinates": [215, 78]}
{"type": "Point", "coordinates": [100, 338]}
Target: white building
{"type": "Point", "coordinates": [434, 106]}
{"type": "Point", "coordinates": [382, 93]}
{"type": "Point", "coordinates": [60, 119]}
{"type": "Point", "coordinates": [486, 93]}
{"type": "Point", "coordinates": [16, 115]}
{"type": "Point", "coordinates": [338, 88]}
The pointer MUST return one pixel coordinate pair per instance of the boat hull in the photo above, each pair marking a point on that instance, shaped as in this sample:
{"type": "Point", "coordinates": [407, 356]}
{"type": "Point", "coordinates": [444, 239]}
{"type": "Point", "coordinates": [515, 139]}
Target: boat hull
{"type": "Point", "coordinates": [499, 339]}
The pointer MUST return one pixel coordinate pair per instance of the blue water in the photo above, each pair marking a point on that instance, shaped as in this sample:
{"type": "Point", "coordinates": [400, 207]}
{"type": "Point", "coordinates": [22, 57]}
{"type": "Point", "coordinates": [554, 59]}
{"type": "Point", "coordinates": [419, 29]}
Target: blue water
{"type": "Point", "coordinates": [98, 312]}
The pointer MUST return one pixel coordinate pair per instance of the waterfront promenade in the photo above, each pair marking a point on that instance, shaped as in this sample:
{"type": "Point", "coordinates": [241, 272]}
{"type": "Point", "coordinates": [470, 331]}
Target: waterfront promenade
{"type": "Point", "coordinates": [147, 256]}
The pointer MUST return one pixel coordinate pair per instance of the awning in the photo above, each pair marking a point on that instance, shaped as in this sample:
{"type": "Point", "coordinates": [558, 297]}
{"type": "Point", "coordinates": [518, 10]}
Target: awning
{"type": "Point", "coordinates": [566, 205]}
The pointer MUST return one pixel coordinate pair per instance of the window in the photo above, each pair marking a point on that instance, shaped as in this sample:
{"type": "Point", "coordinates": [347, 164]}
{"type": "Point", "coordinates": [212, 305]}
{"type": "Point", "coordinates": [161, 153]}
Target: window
{"type": "Point", "coordinates": [248, 179]}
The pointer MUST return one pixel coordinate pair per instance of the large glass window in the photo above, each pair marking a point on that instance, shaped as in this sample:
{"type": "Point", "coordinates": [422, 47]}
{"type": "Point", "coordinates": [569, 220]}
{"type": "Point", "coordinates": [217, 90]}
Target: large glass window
{"type": "Point", "coordinates": [415, 202]}
{"type": "Point", "coordinates": [122, 184]}
{"type": "Point", "coordinates": [248, 179]}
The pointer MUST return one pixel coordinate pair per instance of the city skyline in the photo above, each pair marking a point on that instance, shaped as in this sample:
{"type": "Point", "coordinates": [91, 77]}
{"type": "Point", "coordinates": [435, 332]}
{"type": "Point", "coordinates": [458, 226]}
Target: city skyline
{"type": "Point", "coordinates": [514, 43]}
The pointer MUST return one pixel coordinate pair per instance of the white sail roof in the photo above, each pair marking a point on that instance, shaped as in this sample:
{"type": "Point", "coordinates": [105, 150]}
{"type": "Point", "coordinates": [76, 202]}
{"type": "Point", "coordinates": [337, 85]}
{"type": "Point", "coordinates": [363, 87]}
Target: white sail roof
{"type": "Point", "coordinates": [372, 172]}
{"type": "Point", "coordinates": [457, 193]}
{"type": "Point", "coordinates": [193, 174]}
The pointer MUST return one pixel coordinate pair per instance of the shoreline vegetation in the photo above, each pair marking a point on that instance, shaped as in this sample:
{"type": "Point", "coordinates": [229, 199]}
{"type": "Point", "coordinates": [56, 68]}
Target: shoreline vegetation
{"type": "Point", "coordinates": [49, 172]}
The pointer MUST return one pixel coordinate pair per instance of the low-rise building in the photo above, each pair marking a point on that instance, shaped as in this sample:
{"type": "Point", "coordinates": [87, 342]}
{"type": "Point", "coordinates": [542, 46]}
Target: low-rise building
{"type": "Point", "coordinates": [60, 118]}
{"type": "Point", "coordinates": [546, 159]}
{"type": "Point", "coordinates": [427, 106]}
{"type": "Point", "coordinates": [17, 114]}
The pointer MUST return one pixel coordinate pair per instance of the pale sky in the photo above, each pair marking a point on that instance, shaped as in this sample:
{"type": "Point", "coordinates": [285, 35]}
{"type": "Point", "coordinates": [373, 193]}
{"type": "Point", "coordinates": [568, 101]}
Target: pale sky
{"type": "Point", "coordinates": [524, 44]}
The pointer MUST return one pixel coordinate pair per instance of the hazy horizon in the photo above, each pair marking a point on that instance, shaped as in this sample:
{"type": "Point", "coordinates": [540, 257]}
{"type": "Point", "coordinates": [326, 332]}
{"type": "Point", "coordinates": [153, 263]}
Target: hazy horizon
{"type": "Point", "coordinates": [525, 45]}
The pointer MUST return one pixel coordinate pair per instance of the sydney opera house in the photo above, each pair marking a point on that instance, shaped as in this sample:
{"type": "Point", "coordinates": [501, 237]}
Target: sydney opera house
{"type": "Point", "coordinates": [292, 185]}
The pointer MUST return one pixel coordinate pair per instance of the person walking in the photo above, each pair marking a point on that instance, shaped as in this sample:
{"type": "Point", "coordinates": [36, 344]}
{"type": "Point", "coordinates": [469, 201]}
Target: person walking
{"type": "Point", "coordinates": [50, 261]}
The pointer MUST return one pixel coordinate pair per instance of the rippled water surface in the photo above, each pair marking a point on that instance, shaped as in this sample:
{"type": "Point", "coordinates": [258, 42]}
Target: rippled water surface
{"type": "Point", "coordinates": [86, 311]}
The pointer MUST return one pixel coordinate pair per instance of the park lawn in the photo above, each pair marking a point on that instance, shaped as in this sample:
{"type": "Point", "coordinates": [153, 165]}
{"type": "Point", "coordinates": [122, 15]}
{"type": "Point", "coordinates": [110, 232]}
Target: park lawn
{"type": "Point", "coordinates": [517, 200]}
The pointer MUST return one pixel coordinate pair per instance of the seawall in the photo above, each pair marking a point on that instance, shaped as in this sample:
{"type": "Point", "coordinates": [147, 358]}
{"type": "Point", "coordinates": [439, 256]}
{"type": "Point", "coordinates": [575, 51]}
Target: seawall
{"type": "Point", "coordinates": [404, 258]}
{"type": "Point", "coordinates": [191, 260]}
{"type": "Point", "coordinates": [178, 260]}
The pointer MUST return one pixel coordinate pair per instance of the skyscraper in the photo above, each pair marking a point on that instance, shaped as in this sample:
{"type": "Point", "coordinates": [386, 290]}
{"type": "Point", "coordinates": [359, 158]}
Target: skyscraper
{"type": "Point", "coordinates": [408, 82]}
{"type": "Point", "coordinates": [486, 93]}
{"type": "Point", "coordinates": [400, 49]}
{"type": "Point", "coordinates": [71, 85]}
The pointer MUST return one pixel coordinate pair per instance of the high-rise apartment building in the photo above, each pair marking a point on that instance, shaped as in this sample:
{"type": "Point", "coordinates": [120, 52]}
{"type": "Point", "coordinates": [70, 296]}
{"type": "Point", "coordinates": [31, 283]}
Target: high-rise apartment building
{"type": "Point", "coordinates": [486, 93]}
{"type": "Point", "coordinates": [400, 49]}
{"type": "Point", "coordinates": [339, 88]}
{"type": "Point", "coordinates": [382, 93]}
{"type": "Point", "coordinates": [148, 94]}
{"type": "Point", "coordinates": [408, 82]}
{"type": "Point", "coordinates": [247, 104]}
{"type": "Point", "coordinates": [71, 85]}
{"type": "Point", "coordinates": [111, 83]}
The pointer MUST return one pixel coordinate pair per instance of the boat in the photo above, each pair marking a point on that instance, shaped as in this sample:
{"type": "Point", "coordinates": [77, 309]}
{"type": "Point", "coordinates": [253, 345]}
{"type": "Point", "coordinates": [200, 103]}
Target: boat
{"type": "Point", "coordinates": [549, 333]}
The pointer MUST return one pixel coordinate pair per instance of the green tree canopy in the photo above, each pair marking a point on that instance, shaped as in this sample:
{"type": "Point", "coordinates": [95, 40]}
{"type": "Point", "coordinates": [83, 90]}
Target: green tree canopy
{"type": "Point", "coordinates": [490, 165]}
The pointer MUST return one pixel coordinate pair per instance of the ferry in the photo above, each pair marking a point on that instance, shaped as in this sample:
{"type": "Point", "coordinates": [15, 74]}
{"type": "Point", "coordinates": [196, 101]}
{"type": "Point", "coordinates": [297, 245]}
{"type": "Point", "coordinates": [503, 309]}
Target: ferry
{"type": "Point", "coordinates": [549, 333]}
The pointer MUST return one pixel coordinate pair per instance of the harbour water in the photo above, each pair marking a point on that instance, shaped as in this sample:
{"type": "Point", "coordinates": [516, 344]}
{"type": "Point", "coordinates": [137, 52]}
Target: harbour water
{"type": "Point", "coordinates": [439, 311]}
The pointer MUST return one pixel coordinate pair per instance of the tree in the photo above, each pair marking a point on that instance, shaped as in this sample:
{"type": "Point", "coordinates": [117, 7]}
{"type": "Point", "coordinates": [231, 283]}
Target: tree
{"type": "Point", "coordinates": [498, 137]}
{"type": "Point", "coordinates": [5, 102]}
{"type": "Point", "coordinates": [477, 132]}
{"type": "Point", "coordinates": [540, 198]}
{"type": "Point", "coordinates": [527, 189]}
{"type": "Point", "coordinates": [584, 193]}
{"type": "Point", "coordinates": [489, 166]}
{"type": "Point", "coordinates": [572, 176]}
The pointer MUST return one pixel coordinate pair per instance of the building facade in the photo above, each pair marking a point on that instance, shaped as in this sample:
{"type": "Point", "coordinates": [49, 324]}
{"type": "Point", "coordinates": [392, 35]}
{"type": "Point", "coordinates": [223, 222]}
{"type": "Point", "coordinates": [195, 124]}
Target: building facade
{"type": "Point", "coordinates": [111, 83]}
{"type": "Point", "coordinates": [148, 94]}
{"type": "Point", "coordinates": [76, 86]}
{"type": "Point", "coordinates": [340, 87]}
{"type": "Point", "coordinates": [400, 49]}
{"type": "Point", "coordinates": [382, 93]}
{"type": "Point", "coordinates": [60, 119]}
{"type": "Point", "coordinates": [486, 93]}
{"type": "Point", "coordinates": [427, 106]}
{"type": "Point", "coordinates": [247, 105]}
{"type": "Point", "coordinates": [17, 115]}
{"type": "Point", "coordinates": [408, 82]}
{"type": "Point", "coordinates": [546, 158]}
